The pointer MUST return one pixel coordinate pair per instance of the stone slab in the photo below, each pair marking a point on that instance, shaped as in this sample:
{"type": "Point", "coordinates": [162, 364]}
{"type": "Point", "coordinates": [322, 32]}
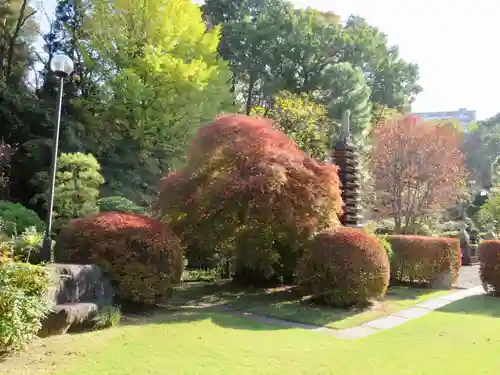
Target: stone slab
{"type": "Point", "coordinates": [434, 304]}
{"type": "Point", "coordinates": [453, 296]}
{"type": "Point", "coordinates": [355, 332]}
{"type": "Point", "coordinates": [390, 321]}
{"type": "Point", "coordinates": [412, 313]}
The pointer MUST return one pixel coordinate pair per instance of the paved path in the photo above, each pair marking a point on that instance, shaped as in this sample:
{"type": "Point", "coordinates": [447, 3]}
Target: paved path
{"type": "Point", "coordinates": [468, 278]}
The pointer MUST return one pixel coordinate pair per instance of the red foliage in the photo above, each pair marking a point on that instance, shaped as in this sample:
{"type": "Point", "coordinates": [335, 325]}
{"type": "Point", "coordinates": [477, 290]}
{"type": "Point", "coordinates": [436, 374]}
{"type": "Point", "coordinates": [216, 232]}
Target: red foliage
{"type": "Point", "coordinates": [248, 191]}
{"type": "Point", "coordinates": [489, 269]}
{"type": "Point", "coordinates": [344, 267]}
{"type": "Point", "coordinates": [419, 259]}
{"type": "Point", "coordinates": [142, 257]}
{"type": "Point", "coordinates": [418, 167]}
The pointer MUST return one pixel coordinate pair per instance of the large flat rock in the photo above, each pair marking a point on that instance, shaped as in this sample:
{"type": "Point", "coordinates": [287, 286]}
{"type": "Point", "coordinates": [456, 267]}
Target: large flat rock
{"type": "Point", "coordinates": [69, 316]}
{"type": "Point", "coordinates": [74, 283]}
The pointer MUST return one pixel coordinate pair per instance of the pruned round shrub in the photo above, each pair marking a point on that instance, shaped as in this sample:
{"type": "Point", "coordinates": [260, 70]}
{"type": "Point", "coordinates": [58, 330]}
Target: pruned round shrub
{"type": "Point", "coordinates": [249, 193]}
{"type": "Point", "coordinates": [142, 256]}
{"type": "Point", "coordinates": [344, 267]}
{"type": "Point", "coordinates": [119, 204]}
{"type": "Point", "coordinates": [23, 304]}
{"type": "Point", "coordinates": [16, 218]}
{"type": "Point", "coordinates": [425, 260]}
{"type": "Point", "coordinates": [489, 266]}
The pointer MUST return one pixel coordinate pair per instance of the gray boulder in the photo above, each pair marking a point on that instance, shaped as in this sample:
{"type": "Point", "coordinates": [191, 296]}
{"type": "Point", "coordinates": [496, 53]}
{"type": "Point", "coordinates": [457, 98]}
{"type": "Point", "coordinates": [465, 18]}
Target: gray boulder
{"type": "Point", "coordinates": [75, 283]}
{"type": "Point", "coordinates": [77, 294]}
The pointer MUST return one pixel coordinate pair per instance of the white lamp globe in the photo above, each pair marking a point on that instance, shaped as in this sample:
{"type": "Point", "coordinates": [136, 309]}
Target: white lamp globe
{"type": "Point", "coordinates": [61, 65]}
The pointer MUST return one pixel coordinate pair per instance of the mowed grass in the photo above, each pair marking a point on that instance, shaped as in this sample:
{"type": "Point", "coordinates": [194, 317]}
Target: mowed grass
{"type": "Point", "coordinates": [283, 303]}
{"type": "Point", "coordinates": [462, 338]}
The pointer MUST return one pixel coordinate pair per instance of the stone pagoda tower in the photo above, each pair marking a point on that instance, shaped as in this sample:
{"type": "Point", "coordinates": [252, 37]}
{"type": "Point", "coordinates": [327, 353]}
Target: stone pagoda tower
{"type": "Point", "coordinates": [346, 158]}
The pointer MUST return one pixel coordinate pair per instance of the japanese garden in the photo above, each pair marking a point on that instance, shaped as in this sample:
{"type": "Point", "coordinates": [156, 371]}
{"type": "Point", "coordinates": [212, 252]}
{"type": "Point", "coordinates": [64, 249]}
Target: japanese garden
{"type": "Point", "coordinates": [235, 187]}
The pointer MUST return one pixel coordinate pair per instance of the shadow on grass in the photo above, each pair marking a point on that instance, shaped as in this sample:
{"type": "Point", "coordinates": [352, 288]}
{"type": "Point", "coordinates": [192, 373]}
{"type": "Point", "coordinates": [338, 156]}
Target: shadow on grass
{"type": "Point", "coordinates": [475, 305]}
{"type": "Point", "coordinates": [272, 308]}
{"type": "Point", "coordinates": [217, 316]}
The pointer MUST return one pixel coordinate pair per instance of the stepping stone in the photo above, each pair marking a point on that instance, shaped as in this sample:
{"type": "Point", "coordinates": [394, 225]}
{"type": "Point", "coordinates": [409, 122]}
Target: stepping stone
{"type": "Point", "coordinates": [453, 296]}
{"type": "Point", "coordinates": [414, 312]}
{"type": "Point", "coordinates": [390, 321]}
{"type": "Point", "coordinates": [434, 304]}
{"type": "Point", "coordinates": [355, 332]}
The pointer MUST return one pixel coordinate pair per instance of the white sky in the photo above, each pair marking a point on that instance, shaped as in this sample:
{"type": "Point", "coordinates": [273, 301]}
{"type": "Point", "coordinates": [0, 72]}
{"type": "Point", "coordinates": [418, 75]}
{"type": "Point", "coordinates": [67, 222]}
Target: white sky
{"type": "Point", "coordinates": [449, 40]}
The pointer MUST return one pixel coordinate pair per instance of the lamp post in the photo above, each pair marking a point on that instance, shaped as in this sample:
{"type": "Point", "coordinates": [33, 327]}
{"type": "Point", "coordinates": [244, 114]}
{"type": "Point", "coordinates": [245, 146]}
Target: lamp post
{"type": "Point", "coordinates": [62, 67]}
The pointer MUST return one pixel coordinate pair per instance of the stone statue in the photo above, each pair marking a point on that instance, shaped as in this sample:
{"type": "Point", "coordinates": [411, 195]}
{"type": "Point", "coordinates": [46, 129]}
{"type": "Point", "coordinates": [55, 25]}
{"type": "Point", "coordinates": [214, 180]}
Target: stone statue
{"type": "Point", "coordinates": [465, 245]}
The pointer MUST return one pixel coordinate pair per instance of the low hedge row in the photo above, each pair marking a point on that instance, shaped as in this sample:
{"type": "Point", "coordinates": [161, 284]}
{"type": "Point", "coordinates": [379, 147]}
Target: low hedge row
{"type": "Point", "coordinates": [489, 266]}
{"type": "Point", "coordinates": [425, 260]}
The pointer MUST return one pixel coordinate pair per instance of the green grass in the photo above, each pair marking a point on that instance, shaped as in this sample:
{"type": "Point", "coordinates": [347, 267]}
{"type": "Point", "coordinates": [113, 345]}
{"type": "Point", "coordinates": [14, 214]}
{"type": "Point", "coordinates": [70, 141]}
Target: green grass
{"type": "Point", "coordinates": [282, 303]}
{"type": "Point", "coordinates": [461, 339]}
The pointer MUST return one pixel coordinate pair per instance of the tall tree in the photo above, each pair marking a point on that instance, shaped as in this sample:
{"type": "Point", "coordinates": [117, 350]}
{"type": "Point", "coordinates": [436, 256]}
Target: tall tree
{"type": "Point", "coordinates": [161, 77]}
{"type": "Point", "coordinates": [418, 169]}
{"type": "Point", "coordinates": [305, 121]}
{"type": "Point", "coordinates": [345, 88]}
{"type": "Point", "coordinates": [18, 30]}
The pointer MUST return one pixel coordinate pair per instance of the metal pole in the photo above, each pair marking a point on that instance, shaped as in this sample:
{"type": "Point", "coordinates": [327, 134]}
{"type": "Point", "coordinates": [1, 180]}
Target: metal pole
{"type": "Point", "coordinates": [47, 241]}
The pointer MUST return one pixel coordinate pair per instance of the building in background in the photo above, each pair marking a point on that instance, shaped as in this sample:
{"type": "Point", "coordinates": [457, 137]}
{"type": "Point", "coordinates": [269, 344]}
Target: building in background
{"type": "Point", "coordinates": [464, 116]}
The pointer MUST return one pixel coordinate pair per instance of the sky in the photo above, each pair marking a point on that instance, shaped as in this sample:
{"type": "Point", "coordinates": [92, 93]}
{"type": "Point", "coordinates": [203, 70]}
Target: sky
{"type": "Point", "coordinates": [454, 43]}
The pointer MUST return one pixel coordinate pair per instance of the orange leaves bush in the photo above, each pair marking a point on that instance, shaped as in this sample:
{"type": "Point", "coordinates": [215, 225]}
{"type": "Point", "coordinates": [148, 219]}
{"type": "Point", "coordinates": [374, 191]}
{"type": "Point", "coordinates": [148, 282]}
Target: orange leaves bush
{"type": "Point", "coordinates": [489, 269]}
{"type": "Point", "coordinates": [142, 256]}
{"type": "Point", "coordinates": [344, 267]}
{"type": "Point", "coordinates": [247, 191]}
{"type": "Point", "coordinates": [427, 260]}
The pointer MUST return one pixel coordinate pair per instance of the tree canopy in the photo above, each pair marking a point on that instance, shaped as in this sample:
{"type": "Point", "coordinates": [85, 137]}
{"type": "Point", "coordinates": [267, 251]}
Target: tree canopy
{"type": "Point", "coordinates": [149, 74]}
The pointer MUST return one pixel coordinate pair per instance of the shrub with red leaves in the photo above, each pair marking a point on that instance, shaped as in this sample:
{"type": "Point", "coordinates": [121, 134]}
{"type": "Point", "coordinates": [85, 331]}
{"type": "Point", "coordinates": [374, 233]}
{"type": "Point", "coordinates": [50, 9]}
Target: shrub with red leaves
{"type": "Point", "coordinates": [247, 191]}
{"type": "Point", "coordinates": [489, 269]}
{"type": "Point", "coordinates": [344, 267]}
{"type": "Point", "coordinates": [142, 256]}
{"type": "Point", "coordinates": [425, 260]}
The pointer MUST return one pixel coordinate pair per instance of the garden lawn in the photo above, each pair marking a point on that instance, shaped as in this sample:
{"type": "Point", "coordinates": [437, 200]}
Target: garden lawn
{"type": "Point", "coordinates": [461, 338]}
{"type": "Point", "coordinates": [282, 303]}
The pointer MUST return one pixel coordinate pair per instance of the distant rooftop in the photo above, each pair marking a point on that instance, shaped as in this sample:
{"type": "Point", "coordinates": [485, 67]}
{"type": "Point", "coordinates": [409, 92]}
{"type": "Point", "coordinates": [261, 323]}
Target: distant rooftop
{"type": "Point", "coordinates": [464, 116]}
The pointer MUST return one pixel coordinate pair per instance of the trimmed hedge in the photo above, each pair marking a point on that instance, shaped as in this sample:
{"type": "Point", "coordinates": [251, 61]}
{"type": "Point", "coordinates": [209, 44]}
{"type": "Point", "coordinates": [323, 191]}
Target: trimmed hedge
{"type": "Point", "coordinates": [425, 260]}
{"type": "Point", "coordinates": [119, 204]}
{"type": "Point", "coordinates": [489, 268]}
{"type": "Point", "coordinates": [344, 267]}
{"type": "Point", "coordinates": [142, 256]}
{"type": "Point", "coordinates": [23, 304]}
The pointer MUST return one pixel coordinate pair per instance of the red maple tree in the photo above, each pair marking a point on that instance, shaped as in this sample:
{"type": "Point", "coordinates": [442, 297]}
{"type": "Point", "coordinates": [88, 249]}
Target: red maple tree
{"type": "Point", "coordinates": [419, 169]}
{"type": "Point", "coordinates": [247, 191]}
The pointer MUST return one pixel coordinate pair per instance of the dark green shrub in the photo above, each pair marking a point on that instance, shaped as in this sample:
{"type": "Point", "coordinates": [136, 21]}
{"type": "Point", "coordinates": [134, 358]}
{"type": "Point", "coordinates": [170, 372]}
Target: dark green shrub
{"type": "Point", "coordinates": [141, 256]}
{"type": "Point", "coordinates": [119, 204]}
{"type": "Point", "coordinates": [18, 218]}
{"type": "Point", "coordinates": [23, 304]}
{"type": "Point", "coordinates": [344, 267]}
{"type": "Point", "coordinates": [489, 269]}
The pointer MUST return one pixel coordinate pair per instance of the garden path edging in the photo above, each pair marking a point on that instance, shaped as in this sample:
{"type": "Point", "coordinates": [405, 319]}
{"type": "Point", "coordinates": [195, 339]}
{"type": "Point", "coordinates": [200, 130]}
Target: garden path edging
{"type": "Point", "coordinates": [378, 325]}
